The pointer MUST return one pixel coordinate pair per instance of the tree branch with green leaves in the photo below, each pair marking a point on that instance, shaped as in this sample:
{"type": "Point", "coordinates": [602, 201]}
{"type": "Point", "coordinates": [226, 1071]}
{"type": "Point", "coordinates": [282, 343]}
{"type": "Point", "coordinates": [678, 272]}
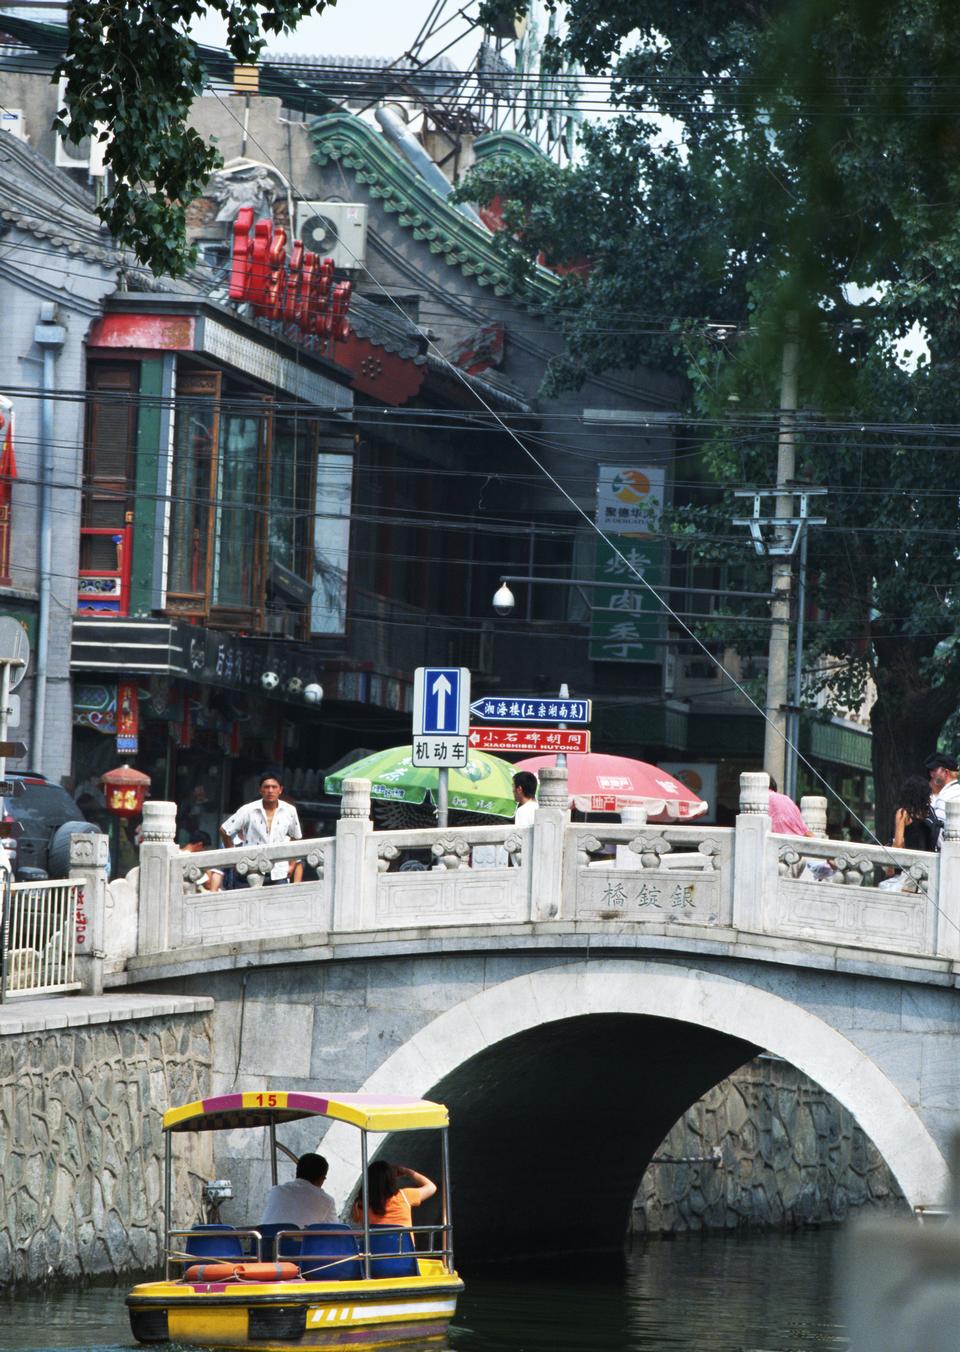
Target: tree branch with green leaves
{"type": "Point", "coordinates": [132, 73]}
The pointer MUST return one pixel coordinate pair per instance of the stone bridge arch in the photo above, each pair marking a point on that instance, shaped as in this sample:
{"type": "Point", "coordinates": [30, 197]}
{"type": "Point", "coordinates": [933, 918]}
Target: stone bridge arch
{"type": "Point", "coordinates": [658, 1034]}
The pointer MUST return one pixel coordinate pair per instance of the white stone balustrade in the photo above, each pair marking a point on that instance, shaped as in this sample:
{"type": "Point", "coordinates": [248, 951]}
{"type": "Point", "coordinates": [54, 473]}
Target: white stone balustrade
{"type": "Point", "coordinates": [742, 880]}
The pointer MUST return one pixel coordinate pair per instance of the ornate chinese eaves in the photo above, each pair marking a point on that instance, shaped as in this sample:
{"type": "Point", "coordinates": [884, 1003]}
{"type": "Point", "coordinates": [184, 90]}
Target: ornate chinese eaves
{"type": "Point", "coordinates": [345, 139]}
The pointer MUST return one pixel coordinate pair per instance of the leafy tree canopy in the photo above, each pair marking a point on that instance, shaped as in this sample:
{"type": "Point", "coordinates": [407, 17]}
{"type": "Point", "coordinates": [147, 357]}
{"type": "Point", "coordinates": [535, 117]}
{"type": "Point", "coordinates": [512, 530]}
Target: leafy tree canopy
{"type": "Point", "coordinates": [132, 67]}
{"type": "Point", "coordinates": [775, 158]}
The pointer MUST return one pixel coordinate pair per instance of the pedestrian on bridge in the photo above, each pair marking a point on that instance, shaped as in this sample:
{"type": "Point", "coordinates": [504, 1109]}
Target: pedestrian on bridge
{"type": "Point", "coordinates": [525, 797]}
{"type": "Point", "coordinates": [269, 821]}
{"type": "Point", "coordinates": [944, 786]}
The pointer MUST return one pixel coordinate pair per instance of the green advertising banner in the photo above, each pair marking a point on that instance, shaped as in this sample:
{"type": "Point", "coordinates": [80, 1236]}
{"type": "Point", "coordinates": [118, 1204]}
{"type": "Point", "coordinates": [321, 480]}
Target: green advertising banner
{"type": "Point", "coordinates": [621, 631]}
{"type": "Point", "coordinates": [626, 617]}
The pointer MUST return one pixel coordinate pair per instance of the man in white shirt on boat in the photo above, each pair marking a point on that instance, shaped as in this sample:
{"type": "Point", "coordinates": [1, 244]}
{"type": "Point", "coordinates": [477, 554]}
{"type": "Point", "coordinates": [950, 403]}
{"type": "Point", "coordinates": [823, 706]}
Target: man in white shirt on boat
{"type": "Point", "coordinates": [301, 1201]}
{"type": "Point", "coordinates": [268, 821]}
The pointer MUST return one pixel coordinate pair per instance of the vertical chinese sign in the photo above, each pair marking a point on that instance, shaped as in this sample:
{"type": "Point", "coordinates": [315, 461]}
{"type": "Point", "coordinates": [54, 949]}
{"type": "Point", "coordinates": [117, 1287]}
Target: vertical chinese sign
{"type": "Point", "coordinates": [626, 618]}
{"type": "Point", "coordinates": [8, 472]}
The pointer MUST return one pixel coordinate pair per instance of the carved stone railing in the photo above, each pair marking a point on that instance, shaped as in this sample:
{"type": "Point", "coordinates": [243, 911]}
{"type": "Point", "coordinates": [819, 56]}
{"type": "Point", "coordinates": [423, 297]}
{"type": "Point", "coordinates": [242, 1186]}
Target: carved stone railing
{"type": "Point", "coordinates": [831, 892]}
{"type": "Point", "coordinates": [652, 874]}
{"type": "Point", "coordinates": [745, 879]}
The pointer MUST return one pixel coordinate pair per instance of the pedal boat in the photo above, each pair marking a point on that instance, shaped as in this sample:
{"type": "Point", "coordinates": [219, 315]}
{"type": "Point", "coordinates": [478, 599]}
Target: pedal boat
{"type": "Point", "coordinates": [336, 1286]}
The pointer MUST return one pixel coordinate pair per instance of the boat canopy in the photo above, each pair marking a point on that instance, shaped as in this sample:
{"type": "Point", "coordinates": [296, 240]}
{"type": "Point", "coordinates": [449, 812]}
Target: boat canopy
{"type": "Point", "coordinates": [369, 1112]}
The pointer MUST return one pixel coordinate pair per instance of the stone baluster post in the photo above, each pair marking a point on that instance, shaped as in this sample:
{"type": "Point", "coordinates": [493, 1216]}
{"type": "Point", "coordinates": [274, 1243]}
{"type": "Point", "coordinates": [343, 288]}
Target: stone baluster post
{"type": "Point", "coordinates": [350, 886]}
{"type": "Point", "coordinates": [948, 885]}
{"type": "Point", "coordinates": [89, 856]}
{"type": "Point", "coordinates": [813, 810]}
{"type": "Point", "coordinates": [546, 853]}
{"type": "Point", "coordinates": [160, 903]}
{"type": "Point", "coordinates": [750, 849]}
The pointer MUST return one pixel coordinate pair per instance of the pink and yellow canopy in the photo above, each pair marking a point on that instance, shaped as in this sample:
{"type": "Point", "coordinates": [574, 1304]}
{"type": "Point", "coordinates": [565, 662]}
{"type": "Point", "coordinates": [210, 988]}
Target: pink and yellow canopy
{"type": "Point", "coordinates": [369, 1112]}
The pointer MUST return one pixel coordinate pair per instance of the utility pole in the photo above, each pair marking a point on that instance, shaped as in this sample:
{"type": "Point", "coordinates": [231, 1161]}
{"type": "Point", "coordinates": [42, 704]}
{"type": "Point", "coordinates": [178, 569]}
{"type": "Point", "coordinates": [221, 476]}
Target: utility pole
{"type": "Point", "coordinates": [778, 661]}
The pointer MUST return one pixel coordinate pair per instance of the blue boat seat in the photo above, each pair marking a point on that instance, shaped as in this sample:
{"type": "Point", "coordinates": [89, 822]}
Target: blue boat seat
{"type": "Point", "coordinates": [329, 1253]}
{"type": "Point", "coordinates": [397, 1249]}
{"type": "Point", "coordinates": [214, 1241]}
{"type": "Point", "coordinates": [284, 1250]}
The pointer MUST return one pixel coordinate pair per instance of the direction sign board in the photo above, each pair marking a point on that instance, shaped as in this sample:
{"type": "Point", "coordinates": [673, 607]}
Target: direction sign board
{"type": "Point", "coordinates": [438, 752]}
{"type": "Point", "coordinates": [15, 750]}
{"type": "Point", "coordinates": [532, 709]}
{"type": "Point", "coordinates": [530, 740]}
{"type": "Point", "coordinates": [14, 648]}
{"type": "Point", "coordinates": [441, 702]}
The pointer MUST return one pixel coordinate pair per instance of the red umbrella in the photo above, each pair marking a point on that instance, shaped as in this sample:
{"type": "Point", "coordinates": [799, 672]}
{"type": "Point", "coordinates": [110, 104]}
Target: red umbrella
{"type": "Point", "coordinates": [607, 783]}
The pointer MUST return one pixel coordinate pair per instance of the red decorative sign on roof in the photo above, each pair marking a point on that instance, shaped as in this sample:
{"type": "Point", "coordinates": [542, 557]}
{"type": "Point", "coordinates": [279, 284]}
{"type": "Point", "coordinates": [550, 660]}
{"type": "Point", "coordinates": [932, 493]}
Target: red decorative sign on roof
{"type": "Point", "coordinates": [299, 290]}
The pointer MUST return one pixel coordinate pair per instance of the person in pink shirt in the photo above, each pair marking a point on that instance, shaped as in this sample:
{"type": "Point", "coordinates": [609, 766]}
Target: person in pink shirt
{"type": "Point", "coordinates": [785, 818]}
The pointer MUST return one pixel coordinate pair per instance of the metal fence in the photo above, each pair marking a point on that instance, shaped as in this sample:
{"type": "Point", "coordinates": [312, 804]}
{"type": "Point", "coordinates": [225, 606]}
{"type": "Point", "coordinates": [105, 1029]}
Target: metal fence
{"type": "Point", "coordinates": [38, 937]}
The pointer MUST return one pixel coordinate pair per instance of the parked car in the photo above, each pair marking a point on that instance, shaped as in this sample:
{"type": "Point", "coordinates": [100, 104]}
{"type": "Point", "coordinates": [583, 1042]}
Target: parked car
{"type": "Point", "coordinates": [49, 817]}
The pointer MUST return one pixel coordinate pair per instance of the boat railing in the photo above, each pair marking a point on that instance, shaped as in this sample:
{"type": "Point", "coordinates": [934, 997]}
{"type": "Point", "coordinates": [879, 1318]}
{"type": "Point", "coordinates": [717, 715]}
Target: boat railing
{"type": "Point", "coordinates": [244, 1244]}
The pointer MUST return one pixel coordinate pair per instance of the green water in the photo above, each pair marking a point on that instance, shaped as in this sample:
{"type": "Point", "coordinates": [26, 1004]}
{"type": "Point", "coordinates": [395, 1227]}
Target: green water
{"type": "Point", "coordinates": [765, 1293]}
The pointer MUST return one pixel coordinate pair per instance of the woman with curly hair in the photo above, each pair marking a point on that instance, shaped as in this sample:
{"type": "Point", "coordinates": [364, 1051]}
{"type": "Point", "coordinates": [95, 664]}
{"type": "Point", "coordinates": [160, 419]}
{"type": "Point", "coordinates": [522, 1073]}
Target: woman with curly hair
{"type": "Point", "coordinates": [916, 826]}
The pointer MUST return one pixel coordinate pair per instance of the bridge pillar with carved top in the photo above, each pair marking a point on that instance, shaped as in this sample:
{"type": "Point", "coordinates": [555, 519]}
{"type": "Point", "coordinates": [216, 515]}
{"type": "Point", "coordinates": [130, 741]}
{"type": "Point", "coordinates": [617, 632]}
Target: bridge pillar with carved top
{"type": "Point", "coordinates": [544, 856]}
{"type": "Point", "coordinates": [752, 829]}
{"type": "Point", "coordinates": [353, 828]}
{"type": "Point", "coordinates": [161, 884]}
{"type": "Point", "coordinates": [89, 854]}
{"type": "Point", "coordinates": [948, 890]}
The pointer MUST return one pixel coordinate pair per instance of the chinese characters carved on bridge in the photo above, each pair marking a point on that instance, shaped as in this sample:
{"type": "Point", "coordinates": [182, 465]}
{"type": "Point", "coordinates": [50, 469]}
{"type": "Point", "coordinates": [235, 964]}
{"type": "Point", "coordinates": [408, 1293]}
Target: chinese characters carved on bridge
{"type": "Point", "coordinates": [663, 896]}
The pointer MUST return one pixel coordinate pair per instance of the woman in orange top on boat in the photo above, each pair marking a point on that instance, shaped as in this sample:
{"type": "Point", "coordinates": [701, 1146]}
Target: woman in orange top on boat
{"type": "Point", "coordinates": [388, 1202]}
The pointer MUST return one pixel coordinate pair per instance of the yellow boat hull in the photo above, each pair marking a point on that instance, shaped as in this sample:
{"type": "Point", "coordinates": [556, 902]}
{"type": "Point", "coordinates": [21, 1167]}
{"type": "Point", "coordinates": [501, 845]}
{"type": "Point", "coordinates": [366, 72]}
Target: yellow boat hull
{"type": "Point", "coordinates": [280, 1316]}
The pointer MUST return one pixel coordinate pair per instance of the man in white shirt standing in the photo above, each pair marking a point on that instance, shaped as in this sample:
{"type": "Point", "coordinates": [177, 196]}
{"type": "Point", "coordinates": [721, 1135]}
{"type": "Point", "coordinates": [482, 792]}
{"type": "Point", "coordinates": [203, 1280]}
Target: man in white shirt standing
{"type": "Point", "coordinates": [302, 1201]}
{"type": "Point", "coordinates": [525, 797]}
{"type": "Point", "coordinates": [942, 776]}
{"type": "Point", "coordinates": [267, 822]}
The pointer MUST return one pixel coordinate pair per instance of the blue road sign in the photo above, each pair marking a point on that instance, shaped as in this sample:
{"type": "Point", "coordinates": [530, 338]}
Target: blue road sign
{"type": "Point", "coordinates": [441, 701]}
{"type": "Point", "coordinates": [532, 709]}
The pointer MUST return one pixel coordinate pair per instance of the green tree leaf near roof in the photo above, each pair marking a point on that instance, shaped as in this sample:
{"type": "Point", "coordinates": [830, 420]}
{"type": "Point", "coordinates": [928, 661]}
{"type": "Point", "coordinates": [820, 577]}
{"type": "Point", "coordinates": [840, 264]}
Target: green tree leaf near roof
{"type": "Point", "coordinates": [774, 157]}
{"type": "Point", "coordinates": [133, 68]}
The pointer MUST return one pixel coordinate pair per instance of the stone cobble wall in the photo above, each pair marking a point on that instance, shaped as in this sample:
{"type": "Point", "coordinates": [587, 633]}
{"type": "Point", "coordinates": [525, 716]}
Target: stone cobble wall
{"type": "Point", "coordinates": [81, 1150]}
{"type": "Point", "coordinates": [784, 1154]}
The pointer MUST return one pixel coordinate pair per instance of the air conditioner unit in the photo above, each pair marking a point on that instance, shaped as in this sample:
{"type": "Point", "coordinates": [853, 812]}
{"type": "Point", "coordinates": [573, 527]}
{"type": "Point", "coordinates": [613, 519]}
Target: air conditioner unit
{"type": "Point", "coordinates": [88, 154]}
{"type": "Point", "coordinates": [13, 121]}
{"type": "Point", "coordinates": [336, 230]}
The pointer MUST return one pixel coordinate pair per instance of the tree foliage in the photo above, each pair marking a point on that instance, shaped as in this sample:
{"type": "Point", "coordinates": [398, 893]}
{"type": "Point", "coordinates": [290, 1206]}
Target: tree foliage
{"type": "Point", "coordinates": [132, 68]}
{"type": "Point", "coordinates": [775, 157]}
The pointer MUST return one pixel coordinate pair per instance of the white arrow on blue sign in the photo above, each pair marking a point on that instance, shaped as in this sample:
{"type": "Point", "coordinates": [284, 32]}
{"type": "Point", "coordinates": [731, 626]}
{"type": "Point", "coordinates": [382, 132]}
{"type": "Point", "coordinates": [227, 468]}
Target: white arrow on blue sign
{"type": "Point", "coordinates": [532, 709]}
{"type": "Point", "coordinates": [441, 701]}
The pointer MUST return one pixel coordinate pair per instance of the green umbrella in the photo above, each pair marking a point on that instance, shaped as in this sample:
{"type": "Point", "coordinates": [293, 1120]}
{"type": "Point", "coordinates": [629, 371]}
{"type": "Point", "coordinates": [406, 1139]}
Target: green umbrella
{"type": "Point", "coordinates": [484, 784]}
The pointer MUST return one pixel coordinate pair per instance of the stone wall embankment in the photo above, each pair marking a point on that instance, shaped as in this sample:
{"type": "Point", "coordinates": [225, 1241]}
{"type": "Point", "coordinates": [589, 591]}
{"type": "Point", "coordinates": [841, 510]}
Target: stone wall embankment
{"type": "Point", "coordinates": [767, 1147]}
{"type": "Point", "coordinates": [81, 1150]}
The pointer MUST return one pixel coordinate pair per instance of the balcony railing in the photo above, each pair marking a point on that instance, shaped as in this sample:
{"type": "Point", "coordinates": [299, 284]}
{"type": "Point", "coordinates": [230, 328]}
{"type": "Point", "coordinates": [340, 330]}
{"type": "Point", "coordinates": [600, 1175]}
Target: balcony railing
{"type": "Point", "coordinates": [105, 590]}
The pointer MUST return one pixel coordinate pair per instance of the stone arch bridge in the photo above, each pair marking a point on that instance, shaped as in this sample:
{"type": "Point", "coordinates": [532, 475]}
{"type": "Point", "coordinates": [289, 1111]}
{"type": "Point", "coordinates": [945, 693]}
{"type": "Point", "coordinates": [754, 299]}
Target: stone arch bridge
{"type": "Point", "coordinates": [570, 1007]}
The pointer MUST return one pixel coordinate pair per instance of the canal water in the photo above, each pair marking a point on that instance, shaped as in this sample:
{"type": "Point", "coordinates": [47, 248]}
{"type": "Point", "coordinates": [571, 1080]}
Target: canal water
{"type": "Point", "coordinates": [761, 1293]}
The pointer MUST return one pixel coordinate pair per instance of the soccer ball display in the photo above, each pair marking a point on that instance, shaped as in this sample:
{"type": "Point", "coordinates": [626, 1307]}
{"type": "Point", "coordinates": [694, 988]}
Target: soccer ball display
{"type": "Point", "coordinates": [294, 685]}
{"type": "Point", "coordinates": [269, 680]}
{"type": "Point", "coordinates": [313, 693]}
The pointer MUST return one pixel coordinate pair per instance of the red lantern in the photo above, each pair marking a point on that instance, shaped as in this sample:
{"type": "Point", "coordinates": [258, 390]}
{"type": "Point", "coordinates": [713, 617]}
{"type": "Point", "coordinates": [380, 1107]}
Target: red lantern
{"type": "Point", "coordinates": [125, 790]}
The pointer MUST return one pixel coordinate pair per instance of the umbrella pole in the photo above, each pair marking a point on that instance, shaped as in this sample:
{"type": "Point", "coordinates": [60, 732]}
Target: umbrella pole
{"type": "Point", "coordinates": [442, 799]}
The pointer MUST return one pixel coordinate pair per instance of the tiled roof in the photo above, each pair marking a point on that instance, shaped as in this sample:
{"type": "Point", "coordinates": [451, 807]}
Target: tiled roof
{"type": "Point", "coordinates": [352, 142]}
{"type": "Point", "coordinates": [45, 201]}
{"type": "Point", "coordinates": [386, 327]}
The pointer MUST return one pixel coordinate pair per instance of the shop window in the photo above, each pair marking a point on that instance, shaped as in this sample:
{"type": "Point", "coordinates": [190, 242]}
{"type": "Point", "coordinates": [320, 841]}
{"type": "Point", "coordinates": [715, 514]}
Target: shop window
{"type": "Point", "coordinates": [331, 543]}
{"type": "Point", "coordinates": [110, 455]}
{"type": "Point", "coordinates": [192, 492]}
{"type": "Point", "coordinates": [240, 507]}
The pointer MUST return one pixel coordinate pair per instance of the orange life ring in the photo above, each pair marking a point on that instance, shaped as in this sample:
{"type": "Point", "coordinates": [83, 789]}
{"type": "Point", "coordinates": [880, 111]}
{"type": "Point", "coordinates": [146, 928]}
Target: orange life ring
{"type": "Point", "coordinates": [211, 1272]}
{"type": "Point", "coordinates": [266, 1272]}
